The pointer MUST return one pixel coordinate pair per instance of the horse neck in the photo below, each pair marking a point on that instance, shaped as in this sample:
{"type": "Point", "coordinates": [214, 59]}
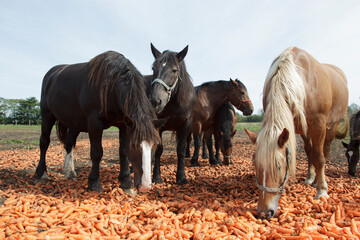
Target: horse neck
{"type": "Point", "coordinates": [219, 94]}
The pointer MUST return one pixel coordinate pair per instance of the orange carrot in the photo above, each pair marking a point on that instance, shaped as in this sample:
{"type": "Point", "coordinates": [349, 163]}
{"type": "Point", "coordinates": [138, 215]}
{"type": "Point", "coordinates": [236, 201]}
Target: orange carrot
{"type": "Point", "coordinates": [145, 236]}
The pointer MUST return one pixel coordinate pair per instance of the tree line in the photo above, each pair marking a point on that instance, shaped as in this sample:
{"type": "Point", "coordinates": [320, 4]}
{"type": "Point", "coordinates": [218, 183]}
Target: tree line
{"type": "Point", "coordinates": [20, 111]}
{"type": "Point", "coordinates": [27, 111]}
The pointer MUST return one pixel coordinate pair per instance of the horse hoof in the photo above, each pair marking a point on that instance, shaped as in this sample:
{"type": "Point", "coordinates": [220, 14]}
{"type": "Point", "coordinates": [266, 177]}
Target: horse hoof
{"type": "Point", "coordinates": [43, 179]}
{"type": "Point", "coordinates": [95, 187]}
{"type": "Point", "coordinates": [309, 181]}
{"type": "Point", "coordinates": [71, 175]}
{"type": "Point", "coordinates": [40, 180]}
{"type": "Point", "coordinates": [321, 193]}
{"type": "Point", "coordinates": [195, 164]}
{"type": "Point", "coordinates": [130, 191]}
{"type": "Point", "coordinates": [157, 180]}
{"type": "Point", "coordinates": [182, 181]}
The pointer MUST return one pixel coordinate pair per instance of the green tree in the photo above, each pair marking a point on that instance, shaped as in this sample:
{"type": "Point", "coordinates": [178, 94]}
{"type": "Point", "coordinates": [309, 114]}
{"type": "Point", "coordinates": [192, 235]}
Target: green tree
{"type": "Point", "coordinates": [28, 111]}
{"type": "Point", "coordinates": [353, 108]}
{"type": "Point", "coordinates": [252, 118]}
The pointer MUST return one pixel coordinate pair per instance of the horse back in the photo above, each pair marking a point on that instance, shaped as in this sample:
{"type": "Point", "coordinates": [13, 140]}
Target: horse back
{"type": "Point", "coordinates": [325, 87]}
{"type": "Point", "coordinates": [64, 89]}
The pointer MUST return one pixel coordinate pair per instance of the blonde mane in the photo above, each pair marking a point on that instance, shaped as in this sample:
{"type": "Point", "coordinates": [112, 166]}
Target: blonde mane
{"type": "Point", "coordinates": [283, 99]}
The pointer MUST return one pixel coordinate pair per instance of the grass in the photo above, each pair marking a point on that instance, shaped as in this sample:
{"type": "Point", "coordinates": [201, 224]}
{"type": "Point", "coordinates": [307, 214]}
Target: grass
{"type": "Point", "coordinates": [36, 127]}
{"type": "Point", "coordinates": [253, 126]}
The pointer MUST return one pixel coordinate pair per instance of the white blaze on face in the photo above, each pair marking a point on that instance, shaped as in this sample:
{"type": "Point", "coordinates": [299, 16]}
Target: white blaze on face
{"type": "Point", "coordinates": [146, 166]}
{"type": "Point", "coordinates": [350, 155]}
{"type": "Point", "coordinates": [164, 64]}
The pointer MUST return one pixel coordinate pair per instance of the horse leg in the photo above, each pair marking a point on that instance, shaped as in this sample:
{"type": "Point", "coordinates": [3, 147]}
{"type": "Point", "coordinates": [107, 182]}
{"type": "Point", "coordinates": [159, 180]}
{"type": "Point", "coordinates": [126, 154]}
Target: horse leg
{"type": "Point", "coordinates": [47, 123]}
{"type": "Point", "coordinates": [212, 159]}
{"type": "Point", "coordinates": [156, 170]}
{"type": "Point", "coordinates": [182, 135]}
{"type": "Point", "coordinates": [217, 147]}
{"type": "Point", "coordinates": [70, 141]}
{"type": "Point", "coordinates": [310, 178]}
{"type": "Point", "coordinates": [188, 141]}
{"type": "Point", "coordinates": [317, 159]}
{"type": "Point", "coordinates": [126, 183]}
{"type": "Point", "coordinates": [204, 148]}
{"type": "Point", "coordinates": [96, 153]}
{"type": "Point", "coordinates": [197, 143]}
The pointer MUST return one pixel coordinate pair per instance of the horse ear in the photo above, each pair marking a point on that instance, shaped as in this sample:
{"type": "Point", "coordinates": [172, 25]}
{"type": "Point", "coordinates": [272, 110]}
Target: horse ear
{"type": "Point", "coordinates": [159, 122]}
{"type": "Point", "coordinates": [234, 82]}
{"type": "Point", "coordinates": [252, 135]}
{"type": "Point", "coordinates": [233, 134]}
{"type": "Point", "coordinates": [345, 144]}
{"type": "Point", "coordinates": [181, 55]}
{"type": "Point", "coordinates": [156, 53]}
{"type": "Point", "coordinates": [284, 136]}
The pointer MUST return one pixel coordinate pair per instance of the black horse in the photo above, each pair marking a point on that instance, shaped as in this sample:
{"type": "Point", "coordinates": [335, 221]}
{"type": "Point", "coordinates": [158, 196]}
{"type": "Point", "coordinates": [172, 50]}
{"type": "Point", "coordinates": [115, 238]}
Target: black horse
{"type": "Point", "coordinates": [352, 149]}
{"type": "Point", "coordinates": [223, 129]}
{"type": "Point", "coordinates": [90, 97]}
{"type": "Point", "coordinates": [172, 95]}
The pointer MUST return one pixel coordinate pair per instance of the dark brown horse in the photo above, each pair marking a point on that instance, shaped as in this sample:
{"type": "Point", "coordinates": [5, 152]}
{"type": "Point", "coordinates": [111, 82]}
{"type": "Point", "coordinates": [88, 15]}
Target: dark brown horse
{"type": "Point", "coordinates": [90, 97]}
{"type": "Point", "coordinates": [352, 148]}
{"type": "Point", "coordinates": [224, 129]}
{"type": "Point", "coordinates": [209, 97]}
{"type": "Point", "coordinates": [173, 97]}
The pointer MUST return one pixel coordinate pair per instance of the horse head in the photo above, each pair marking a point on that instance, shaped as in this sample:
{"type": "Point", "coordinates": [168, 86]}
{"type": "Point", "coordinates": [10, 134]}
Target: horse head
{"type": "Point", "coordinates": [352, 155]}
{"type": "Point", "coordinates": [240, 97]}
{"type": "Point", "coordinates": [226, 146]}
{"type": "Point", "coordinates": [272, 169]}
{"type": "Point", "coordinates": [166, 76]}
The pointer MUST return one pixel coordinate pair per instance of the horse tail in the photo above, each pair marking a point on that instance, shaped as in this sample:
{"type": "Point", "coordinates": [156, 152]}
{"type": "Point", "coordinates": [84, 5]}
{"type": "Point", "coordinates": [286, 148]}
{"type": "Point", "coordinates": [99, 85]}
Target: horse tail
{"type": "Point", "coordinates": [343, 128]}
{"type": "Point", "coordinates": [61, 131]}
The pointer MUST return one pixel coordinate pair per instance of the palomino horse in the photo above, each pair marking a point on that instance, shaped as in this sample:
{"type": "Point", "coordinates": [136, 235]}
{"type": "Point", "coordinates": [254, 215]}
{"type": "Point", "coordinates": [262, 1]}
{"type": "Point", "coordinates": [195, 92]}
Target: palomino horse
{"type": "Point", "coordinates": [90, 97]}
{"type": "Point", "coordinates": [209, 97]}
{"type": "Point", "coordinates": [352, 149]}
{"type": "Point", "coordinates": [224, 129]}
{"type": "Point", "coordinates": [301, 96]}
{"type": "Point", "coordinates": [173, 97]}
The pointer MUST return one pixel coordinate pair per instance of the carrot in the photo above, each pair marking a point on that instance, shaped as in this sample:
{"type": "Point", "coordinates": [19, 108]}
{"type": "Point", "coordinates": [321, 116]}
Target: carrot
{"type": "Point", "coordinates": [282, 229]}
{"type": "Point", "coordinates": [56, 236]}
{"type": "Point", "coordinates": [197, 229]}
{"type": "Point", "coordinates": [29, 237]}
{"type": "Point", "coordinates": [145, 236]}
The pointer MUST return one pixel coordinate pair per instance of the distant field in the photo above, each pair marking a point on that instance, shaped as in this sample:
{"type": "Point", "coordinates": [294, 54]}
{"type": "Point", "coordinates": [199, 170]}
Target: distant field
{"type": "Point", "coordinates": [25, 136]}
{"type": "Point", "coordinates": [250, 126]}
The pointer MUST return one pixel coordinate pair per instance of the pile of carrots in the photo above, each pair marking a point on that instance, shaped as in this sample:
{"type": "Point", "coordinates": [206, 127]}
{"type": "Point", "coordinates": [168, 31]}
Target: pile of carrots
{"type": "Point", "coordinates": [218, 203]}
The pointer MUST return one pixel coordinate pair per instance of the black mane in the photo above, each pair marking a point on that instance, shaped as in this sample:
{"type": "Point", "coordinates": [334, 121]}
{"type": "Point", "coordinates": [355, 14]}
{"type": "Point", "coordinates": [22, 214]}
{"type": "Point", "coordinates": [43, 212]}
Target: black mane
{"type": "Point", "coordinates": [111, 67]}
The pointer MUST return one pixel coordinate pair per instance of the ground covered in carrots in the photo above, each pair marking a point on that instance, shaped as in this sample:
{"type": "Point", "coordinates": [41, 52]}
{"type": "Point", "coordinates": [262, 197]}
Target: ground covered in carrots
{"type": "Point", "coordinates": [218, 203]}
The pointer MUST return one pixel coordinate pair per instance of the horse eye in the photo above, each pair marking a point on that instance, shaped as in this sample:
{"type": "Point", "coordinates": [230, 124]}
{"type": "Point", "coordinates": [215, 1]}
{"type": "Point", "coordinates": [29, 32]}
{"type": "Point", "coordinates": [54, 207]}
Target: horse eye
{"type": "Point", "coordinates": [174, 70]}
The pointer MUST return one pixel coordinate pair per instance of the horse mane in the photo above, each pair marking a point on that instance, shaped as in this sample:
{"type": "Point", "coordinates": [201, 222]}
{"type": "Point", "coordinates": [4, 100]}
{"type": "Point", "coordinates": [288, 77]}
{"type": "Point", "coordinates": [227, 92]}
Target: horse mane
{"type": "Point", "coordinates": [355, 126]}
{"type": "Point", "coordinates": [185, 85]}
{"type": "Point", "coordinates": [111, 67]}
{"type": "Point", "coordinates": [283, 99]}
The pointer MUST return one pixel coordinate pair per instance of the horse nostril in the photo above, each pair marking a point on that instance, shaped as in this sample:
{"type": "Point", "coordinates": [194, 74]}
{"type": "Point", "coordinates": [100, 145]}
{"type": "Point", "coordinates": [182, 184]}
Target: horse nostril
{"type": "Point", "coordinates": [267, 214]}
{"type": "Point", "coordinates": [155, 102]}
{"type": "Point", "coordinates": [270, 214]}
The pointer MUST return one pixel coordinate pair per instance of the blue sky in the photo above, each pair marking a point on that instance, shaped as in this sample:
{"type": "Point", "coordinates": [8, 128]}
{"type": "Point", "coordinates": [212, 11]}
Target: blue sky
{"type": "Point", "coordinates": [230, 38]}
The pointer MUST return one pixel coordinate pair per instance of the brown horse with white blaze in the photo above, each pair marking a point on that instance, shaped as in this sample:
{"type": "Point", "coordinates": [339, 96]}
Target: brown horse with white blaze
{"type": "Point", "coordinates": [300, 96]}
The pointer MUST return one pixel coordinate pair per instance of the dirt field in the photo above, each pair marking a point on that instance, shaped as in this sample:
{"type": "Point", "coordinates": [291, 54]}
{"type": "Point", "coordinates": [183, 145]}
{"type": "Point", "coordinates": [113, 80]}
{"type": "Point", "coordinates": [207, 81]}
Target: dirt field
{"type": "Point", "coordinates": [218, 203]}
